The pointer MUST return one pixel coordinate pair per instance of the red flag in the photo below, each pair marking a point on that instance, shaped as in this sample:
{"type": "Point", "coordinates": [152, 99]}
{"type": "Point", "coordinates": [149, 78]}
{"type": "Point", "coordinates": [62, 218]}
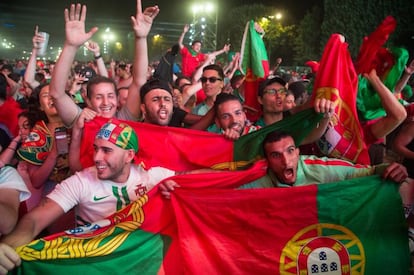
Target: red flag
{"type": "Point", "coordinates": [337, 81]}
{"type": "Point", "coordinates": [371, 54]}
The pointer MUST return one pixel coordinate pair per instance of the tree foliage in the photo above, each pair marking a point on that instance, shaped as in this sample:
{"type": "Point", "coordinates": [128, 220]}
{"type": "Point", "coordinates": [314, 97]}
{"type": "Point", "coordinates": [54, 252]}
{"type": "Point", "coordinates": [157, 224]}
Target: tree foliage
{"type": "Point", "coordinates": [307, 41]}
{"type": "Point", "coordinates": [358, 18]}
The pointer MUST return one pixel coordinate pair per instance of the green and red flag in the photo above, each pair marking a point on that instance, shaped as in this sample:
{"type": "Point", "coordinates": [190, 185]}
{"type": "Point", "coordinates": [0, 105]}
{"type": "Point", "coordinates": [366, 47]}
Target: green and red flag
{"type": "Point", "coordinates": [350, 227]}
{"type": "Point", "coordinates": [388, 62]}
{"type": "Point", "coordinates": [255, 65]}
{"type": "Point", "coordinates": [185, 149]}
{"type": "Point", "coordinates": [337, 81]}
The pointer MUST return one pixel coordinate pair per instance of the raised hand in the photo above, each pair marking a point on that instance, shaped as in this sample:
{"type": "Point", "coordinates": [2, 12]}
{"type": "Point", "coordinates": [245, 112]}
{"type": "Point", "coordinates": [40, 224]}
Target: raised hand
{"type": "Point", "coordinates": [142, 21]}
{"type": "Point", "coordinates": [75, 26]}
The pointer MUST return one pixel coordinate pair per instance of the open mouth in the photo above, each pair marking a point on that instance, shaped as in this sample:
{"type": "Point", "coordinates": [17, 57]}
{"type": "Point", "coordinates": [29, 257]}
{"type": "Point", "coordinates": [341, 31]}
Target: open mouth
{"type": "Point", "coordinates": [163, 114]}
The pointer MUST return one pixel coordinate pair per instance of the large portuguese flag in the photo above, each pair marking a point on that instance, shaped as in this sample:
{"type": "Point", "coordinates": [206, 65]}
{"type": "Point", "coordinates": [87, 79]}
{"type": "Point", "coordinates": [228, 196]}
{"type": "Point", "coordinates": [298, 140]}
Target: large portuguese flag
{"type": "Point", "coordinates": [184, 149]}
{"type": "Point", "coordinates": [208, 227]}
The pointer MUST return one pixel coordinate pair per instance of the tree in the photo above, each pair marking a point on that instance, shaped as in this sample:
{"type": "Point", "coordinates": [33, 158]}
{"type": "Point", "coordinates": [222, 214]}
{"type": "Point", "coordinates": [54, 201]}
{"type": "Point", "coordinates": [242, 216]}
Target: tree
{"type": "Point", "coordinates": [307, 41]}
{"type": "Point", "coordinates": [358, 18]}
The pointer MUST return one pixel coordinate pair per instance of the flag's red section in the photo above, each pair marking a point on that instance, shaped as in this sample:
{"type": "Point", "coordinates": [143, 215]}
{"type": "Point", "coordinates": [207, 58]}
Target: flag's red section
{"type": "Point", "coordinates": [251, 225]}
{"type": "Point", "coordinates": [162, 218]}
{"type": "Point", "coordinates": [9, 111]}
{"type": "Point", "coordinates": [337, 81]}
{"type": "Point", "coordinates": [371, 54]}
{"type": "Point", "coordinates": [174, 148]}
{"type": "Point", "coordinates": [251, 87]}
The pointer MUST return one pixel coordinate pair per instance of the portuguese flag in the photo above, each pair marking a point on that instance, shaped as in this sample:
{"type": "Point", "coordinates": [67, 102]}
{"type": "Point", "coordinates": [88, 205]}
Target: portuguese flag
{"type": "Point", "coordinates": [208, 227]}
{"type": "Point", "coordinates": [337, 81]}
{"type": "Point", "coordinates": [255, 65]}
{"type": "Point", "coordinates": [185, 149]}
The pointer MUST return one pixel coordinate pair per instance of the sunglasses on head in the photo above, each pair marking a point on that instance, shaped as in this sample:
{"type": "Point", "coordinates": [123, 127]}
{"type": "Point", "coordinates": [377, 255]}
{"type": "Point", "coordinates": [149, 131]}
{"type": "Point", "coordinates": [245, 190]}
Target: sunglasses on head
{"type": "Point", "coordinates": [210, 79]}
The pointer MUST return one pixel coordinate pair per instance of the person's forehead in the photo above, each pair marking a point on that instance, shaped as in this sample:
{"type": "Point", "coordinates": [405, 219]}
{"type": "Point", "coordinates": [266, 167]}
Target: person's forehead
{"type": "Point", "coordinates": [230, 105]}
{"type": "Point", "coordinates": [274, 85]}
{"type": "Point", "coordinates": [210, 73]}
{"type": "Point", "coordinates": [44, 90]}
{"type": "Point", "coordinates": [157, 92]}
{"type": "Point", "coordinates": [102, 143]}
{"type": "Point", "coordinates": [103, 88]}
{"type": "Point", "coordinates": [281, 144]}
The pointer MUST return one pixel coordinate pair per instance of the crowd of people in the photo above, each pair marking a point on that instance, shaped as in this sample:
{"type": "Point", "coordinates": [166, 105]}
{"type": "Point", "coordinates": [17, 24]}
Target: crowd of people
{"type": "Point", "coordinates": [44, 107]}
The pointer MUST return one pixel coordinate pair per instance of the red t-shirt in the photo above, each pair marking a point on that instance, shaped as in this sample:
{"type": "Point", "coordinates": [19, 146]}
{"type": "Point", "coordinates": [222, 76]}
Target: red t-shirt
{"type": "Point", "coordinates": [189, 63]}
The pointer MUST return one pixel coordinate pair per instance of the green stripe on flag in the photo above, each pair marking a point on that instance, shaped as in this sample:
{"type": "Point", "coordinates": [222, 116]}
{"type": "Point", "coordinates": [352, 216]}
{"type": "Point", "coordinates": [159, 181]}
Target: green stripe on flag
{"type": "Point", "coordinates": [248, 148]}
{"type": "Point", "coordinates": [139, 252]}
{"type": "Point", "coordinates": [367, 218]}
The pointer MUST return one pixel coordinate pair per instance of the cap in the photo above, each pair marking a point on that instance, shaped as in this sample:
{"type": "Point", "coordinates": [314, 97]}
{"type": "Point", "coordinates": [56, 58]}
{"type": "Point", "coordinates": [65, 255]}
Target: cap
{"type": "Point", "coordinates": [270, 81]}
{"type": "Point", "coordinates": [154, 84]}
{"type": "Point", "coordinates": [120, 134]}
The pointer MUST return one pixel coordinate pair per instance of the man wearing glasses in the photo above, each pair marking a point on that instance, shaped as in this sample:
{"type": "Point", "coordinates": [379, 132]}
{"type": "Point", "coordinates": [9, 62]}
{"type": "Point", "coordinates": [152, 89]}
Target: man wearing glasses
{"type": "Point", "coordinates": [212, 83]}
{"type": "Point", "coordinates": [271, 96]}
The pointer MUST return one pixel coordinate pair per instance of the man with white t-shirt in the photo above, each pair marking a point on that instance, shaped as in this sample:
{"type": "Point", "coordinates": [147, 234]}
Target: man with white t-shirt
{"type": "Point", "coordinates": [96, 192]}
{"type": "Point", "coordinates": [13, 190]}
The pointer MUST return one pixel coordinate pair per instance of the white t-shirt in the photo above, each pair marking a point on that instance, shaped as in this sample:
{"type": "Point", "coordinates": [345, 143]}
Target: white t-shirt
{"type": "Point", "coordinates": [10, 179]}
{"type": "Point", "coordinates": [96, 199]}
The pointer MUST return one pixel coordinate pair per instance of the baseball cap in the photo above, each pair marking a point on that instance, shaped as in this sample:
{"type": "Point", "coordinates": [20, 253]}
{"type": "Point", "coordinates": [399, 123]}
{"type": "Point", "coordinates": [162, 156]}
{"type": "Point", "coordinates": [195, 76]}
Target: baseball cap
{"type": "Point", "coordinates": [154, 84]}
{"type": "Point", "coordinates": [270, 81]}
{"type": "Point", "coordinates": [120, 134]}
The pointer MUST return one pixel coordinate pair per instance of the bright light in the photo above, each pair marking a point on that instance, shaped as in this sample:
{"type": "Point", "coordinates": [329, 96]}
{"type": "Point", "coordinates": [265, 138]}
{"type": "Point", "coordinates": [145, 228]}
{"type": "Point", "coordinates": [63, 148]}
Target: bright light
{"type": "Point", "coordinates": [209, 7]}
{"type": "Point", "coordinates": [157, 37]}
{"type": "Point", "coordinates": [202, 8]}
{"type": "Point", "coordinates": [196, 8]}
{"type": "Point", "coordinates": [278, 16]}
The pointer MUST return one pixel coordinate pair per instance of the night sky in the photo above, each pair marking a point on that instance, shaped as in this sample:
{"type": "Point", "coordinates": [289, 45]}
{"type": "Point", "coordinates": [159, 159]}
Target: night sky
{"type": "Point", "coordinates": [19, 17]}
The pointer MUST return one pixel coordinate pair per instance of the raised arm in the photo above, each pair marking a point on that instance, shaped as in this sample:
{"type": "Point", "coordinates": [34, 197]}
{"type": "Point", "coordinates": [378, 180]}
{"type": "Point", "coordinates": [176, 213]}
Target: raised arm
{"type": "Point", "coordinates": [94, 47]}
{"type": "Point", "coordinates": [225, 49]}
{"type": "Point", "coordinates": [75, 37]}
{"type": "Point", "coordinates": [195, 86]}
{"type": "Point", "coordinates": [409, 70]}
{"type": "Point", "coordinates": [396, 112]}
{"type": "Point", "coordinates": [141, 23]}
{"type": "Point", "coordinates": [29, 74]}
{"type": "Point", "coordinates": [181, 38]}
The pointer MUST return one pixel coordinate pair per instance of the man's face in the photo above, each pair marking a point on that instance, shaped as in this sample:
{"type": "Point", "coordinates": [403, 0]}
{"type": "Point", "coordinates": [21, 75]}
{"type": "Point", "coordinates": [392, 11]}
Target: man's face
{"type": "Point", "coordinates": [273, 98]}
{"type": "Point", "coordinates": [230, 115]}
{"type": "Point", "coordinates": [157, 107]}
{"type": "Point", "coordinates": [196, 46]}
{"type": "Point", "coordinates": [283, 159]}
{"type": "Point", "coordinates": [103, 99]}
{"type": "Point", "coordinates": [110, 161]}
{"type": "Point", "coordinates": [213, 84]}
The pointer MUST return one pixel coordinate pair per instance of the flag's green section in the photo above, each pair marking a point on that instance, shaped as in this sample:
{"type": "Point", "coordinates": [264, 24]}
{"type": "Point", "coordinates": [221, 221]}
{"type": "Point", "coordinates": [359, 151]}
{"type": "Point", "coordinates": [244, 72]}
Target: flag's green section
{"type": "Point", "coordinates": [249, 147]}
{"type": "Point", "coordinates": [368, 101]}
{"type": "Point", "coordinates": [371, 209]}
{"type": "Point", "coordinates": [139, 253]}
{"type": "Point", "coordinates": [254, 51]}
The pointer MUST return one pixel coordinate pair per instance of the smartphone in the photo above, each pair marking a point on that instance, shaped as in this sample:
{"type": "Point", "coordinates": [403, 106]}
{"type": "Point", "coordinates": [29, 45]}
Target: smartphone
{"type": "Point", "coordinates": [61, 139]}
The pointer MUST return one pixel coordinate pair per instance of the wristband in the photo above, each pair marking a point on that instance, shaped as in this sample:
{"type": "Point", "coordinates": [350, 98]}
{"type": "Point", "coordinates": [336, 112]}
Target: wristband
{"type": "Point", "coordinates": [97, 57]}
